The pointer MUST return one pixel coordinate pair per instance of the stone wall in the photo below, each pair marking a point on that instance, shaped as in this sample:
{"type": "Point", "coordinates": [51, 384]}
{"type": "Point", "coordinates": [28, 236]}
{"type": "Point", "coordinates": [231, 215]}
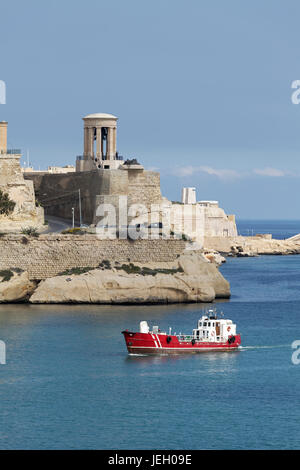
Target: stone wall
{"type": "Point", "coordinates": [49, 255]}
{"type": "Point", "coordinates": [59, 192]}
{"type": "Point", "coordinates": [221, 244]}
{"type": "Point", "coordinates": [143, 187]}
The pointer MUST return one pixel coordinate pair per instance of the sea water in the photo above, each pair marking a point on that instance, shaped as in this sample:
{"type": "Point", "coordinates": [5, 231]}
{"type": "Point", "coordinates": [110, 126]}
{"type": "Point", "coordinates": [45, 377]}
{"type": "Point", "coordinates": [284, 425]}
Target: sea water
{"type": "Point", "coordinates": [68, 382]}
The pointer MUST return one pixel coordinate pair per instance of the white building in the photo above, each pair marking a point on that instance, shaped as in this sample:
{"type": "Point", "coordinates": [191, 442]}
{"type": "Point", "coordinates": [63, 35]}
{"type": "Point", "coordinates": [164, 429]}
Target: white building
{"type": "Point", "coordinates": [188, 196]}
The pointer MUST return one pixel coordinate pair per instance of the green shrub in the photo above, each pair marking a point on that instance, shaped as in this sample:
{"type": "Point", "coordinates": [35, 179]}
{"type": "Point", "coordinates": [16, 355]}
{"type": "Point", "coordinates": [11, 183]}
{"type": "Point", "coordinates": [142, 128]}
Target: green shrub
{"type": "Point", "coordinates": [129, 268]}
{"type": "Point", "coordinates": [31, 231]}
{"type": "Point", "coordinates": [6, 205]}
{"type": "Point", "coordinates": [105, 264]}
{"type": "Point", "coordinates": [17, 270]}
{"type": "Point", "coordinates": [145, 271]}
{"type": "Point", "coordinates": [76, 271]}
{"type": "Point", "coordinates": [73, 231]}
{"type": "Point", "coordinates": [6, 275]}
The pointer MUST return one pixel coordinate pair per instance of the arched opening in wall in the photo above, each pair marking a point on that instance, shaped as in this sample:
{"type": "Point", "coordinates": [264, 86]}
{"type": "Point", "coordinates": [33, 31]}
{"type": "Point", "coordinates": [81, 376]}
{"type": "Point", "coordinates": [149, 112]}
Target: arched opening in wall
{"type": "Point", "coordinates": [104, 133]}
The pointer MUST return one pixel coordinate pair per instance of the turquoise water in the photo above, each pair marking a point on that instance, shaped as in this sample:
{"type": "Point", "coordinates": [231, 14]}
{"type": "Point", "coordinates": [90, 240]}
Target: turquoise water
{"type": "Point", "coordinates": [69, 383]}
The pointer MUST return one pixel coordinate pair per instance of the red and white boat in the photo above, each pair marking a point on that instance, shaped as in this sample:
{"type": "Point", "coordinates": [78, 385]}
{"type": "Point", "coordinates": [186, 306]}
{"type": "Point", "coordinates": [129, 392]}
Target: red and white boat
{"type": "Point", "coordinates": [212, 333]}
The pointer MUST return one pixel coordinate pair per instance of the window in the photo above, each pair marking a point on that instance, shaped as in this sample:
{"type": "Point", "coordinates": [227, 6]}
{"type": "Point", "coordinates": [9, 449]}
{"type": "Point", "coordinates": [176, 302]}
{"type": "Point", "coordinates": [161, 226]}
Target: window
{"type": "Point", "coordinates": [204, 324]}
{"type": "Point", "coordinates": [208, 323]}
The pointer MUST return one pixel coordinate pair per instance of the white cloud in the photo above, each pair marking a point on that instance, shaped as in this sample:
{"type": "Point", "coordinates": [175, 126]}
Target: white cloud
{"type": "Point", "coordinates": [223, 174]}
{"type": "Point", "coordinates": [185, 171]}
{"type": "Point", "coordinates": [220, 173]}
{"type": "Point", "coordinates": [268, 171]}
{"type": "Point", "coordinates": [226, 174]}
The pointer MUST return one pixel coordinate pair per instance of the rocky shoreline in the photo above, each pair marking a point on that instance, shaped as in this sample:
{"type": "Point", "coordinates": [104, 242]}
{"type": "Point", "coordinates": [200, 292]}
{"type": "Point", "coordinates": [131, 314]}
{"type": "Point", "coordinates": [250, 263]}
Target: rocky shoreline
{"type": "Point", "coordinates": [191, 278]}
{"type": "Point", "coordinates": [252, 246]}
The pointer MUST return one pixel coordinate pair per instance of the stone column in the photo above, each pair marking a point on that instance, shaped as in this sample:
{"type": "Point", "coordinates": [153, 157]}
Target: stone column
{"type": "Point", "coordinates": [90, 141]}
{"type": "Point", "coordinates": [108, 144]}
{"type": "Point", "coordinates": [99, 143]}
{"type": "Point", "coordinates": [3, 137]}
{"type": "Point", "coordinates": [85, 147]}
{"type": "Point", "coordinates": [93, 140]}
{"type": "Point", "coordinates": [111, 146]}
{"type": "Point", "coordinates": [114, 142]}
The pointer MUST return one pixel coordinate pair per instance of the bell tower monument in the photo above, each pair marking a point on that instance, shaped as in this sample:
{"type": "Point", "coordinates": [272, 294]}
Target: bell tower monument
{"type": "Point", "coordinates": [100, 143]}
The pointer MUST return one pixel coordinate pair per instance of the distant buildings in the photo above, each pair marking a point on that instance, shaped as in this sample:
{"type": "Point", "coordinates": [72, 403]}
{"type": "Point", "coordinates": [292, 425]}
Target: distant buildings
{"type": "Point", "coordinates": [103, 178]}
{"type": "Point", "coordinates": [51, 169]}
{"type": "Point", "coordinates": [188, 195]}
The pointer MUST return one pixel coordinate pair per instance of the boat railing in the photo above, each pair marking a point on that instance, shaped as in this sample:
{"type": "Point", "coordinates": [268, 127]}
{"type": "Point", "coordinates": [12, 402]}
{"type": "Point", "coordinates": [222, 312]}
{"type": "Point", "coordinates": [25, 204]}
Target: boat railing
{"type": "Point", "coordinates": [185, 337]}
{"type": "Point", "coordinates": [189, 338]}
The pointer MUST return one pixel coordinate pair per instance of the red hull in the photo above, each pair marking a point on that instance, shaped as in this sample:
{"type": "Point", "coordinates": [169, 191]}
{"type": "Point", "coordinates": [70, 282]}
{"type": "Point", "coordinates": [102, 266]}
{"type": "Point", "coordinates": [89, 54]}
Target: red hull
{"type": "Point", "coordinates": [150, 343]}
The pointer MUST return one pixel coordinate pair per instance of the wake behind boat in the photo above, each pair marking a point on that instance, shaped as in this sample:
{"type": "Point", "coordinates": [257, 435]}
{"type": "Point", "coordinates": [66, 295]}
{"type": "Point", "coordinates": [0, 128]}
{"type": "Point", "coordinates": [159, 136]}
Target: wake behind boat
{"type": "Point", "coordinates": [212, 333]}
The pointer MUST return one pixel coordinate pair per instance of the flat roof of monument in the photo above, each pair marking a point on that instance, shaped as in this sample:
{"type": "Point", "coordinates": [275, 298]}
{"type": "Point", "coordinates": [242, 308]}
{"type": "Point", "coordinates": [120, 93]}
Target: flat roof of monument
{"type": "Point", "coordinates": [100, 116]}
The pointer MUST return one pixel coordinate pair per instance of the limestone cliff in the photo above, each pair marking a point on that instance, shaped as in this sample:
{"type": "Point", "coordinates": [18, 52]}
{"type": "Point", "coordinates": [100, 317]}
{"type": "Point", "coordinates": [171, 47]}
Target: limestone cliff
{"type": "Point", "coordinates": [15, 286]}
{"type": "Point", "coordinates": [192, 278]}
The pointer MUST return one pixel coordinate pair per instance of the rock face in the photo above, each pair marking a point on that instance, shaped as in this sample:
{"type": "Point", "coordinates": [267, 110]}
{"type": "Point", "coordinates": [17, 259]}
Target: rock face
{"type": "Point", "coordinates": [214, 257]}
{"type": "Point", "coordinates": [17, 288]}
{"type": "Point", "coordinates": [252, 246]}
{"type": "Point", "coordinates": [12, 182]}
{"type": "Point", "coordinates": [257, 246]}
{"type": "Point", "coordinates": [191, 279]}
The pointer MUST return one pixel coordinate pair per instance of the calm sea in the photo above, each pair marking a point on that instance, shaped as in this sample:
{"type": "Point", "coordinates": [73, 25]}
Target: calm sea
{"type": "Point", "coordinates": [279, 229]}
{"type": "Point", "coordinates": [69, 383]}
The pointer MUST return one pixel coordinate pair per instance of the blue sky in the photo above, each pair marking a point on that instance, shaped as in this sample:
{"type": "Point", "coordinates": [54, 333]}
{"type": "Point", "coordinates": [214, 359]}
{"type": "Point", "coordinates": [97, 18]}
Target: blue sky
{"type": "Point", "coordinates": [202, 90]}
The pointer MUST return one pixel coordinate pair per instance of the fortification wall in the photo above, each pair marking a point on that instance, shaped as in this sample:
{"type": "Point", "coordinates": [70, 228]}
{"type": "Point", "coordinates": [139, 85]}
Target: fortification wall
{"type": "Point", "coordinates": [49, 255]}
{"type": "Point", "coordinates": [222, 244]}
{"type": "Point", "coordinates": [144, 187]}
{"type": "Point", "coordinates": [59, 192]}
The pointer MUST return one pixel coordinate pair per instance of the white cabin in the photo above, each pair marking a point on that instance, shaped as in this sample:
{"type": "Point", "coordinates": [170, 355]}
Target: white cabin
{"type": "Point", "coordinates": [211, 328]}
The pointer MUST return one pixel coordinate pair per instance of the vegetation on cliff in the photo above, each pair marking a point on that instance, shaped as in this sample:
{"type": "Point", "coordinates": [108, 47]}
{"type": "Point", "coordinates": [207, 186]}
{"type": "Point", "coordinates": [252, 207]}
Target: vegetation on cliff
{"type": "Point", "coordinates": [6, 204]}
{"type": "Point", "coordinates": [30, 231]}
{"type": "Point", "coordinates": [146, 271]}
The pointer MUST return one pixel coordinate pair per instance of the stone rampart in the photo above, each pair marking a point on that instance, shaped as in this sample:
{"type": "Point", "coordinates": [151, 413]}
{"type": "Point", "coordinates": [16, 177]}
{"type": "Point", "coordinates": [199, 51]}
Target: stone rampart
{"type": "Point", "coordinates": [49, 255]}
